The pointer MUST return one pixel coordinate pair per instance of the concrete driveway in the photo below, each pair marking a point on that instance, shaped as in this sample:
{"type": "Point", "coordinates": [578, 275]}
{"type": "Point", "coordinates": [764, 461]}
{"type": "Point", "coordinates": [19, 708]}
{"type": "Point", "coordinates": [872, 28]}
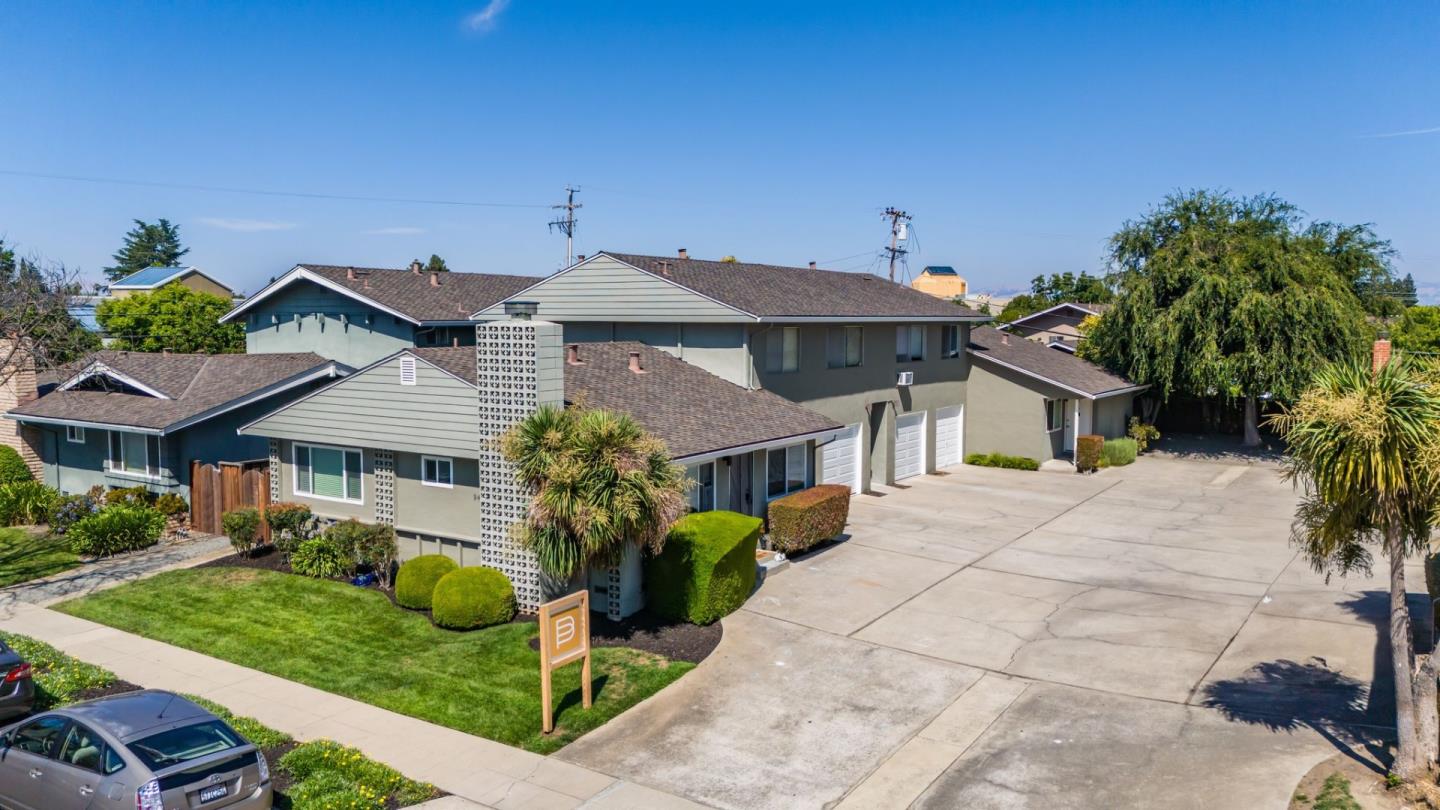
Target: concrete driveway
{"type": "Point", "coordinates": [1144, 637]}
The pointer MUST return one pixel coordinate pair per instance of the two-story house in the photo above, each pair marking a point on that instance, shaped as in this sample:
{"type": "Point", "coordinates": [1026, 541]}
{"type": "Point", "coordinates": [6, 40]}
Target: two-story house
{"type": "Point", "coordinates": [356, 315]}
{"type": "Point", "coordinates": [886, 361]}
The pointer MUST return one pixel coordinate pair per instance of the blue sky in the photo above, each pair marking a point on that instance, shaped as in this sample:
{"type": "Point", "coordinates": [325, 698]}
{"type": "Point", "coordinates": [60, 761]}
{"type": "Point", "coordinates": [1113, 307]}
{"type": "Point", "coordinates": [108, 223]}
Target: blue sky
{"type": "Point", "coordinates": [1018, 136]}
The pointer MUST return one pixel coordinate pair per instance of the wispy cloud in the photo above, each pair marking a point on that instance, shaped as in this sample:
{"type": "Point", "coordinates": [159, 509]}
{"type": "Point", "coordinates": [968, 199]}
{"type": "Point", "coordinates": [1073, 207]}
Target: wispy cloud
{"type": "Point", "coordinates": [484, 20]}
{"type": "Point", "coordinates": [246, 225]}
{"type": "Point", "coordinates": [1407, 133]}
{"type": "Point", "coordinates": [398, 230]}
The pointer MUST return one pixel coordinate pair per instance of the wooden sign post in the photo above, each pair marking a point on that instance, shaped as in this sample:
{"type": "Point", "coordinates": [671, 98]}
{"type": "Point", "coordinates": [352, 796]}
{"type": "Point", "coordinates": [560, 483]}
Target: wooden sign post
{"type": "Point", "coordinates": [564, 637]}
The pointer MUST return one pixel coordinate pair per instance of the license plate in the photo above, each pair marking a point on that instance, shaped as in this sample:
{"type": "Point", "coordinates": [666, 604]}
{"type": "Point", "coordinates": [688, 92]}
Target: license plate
{"type": "Point", "coordinates": [214, 792]}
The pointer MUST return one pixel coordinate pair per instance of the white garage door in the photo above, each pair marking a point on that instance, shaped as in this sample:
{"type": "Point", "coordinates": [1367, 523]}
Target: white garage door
{"type": "Point", "coordinates": [909, 445]}
{"type": "Point", "coordinates": [948, 425]}
{"type": "Point", "coordinates": [840, 459]}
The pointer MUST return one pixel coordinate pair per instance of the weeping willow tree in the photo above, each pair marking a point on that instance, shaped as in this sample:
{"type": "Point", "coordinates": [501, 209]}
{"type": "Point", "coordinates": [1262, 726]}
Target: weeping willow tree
{"type": "Point", "coordinates": [1219, 297]}
{"type": "Point", "coordinates": [600, 483]}
{"type": "Point", "coordinates": [1364, 441]}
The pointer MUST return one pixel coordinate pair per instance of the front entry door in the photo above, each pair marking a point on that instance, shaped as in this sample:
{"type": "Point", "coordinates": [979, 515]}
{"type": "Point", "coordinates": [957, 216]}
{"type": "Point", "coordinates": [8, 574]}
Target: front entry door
{"type": "Point", "coordinates": [740, 498]}
{"type": "Point", "coordinates": [1068, 406]}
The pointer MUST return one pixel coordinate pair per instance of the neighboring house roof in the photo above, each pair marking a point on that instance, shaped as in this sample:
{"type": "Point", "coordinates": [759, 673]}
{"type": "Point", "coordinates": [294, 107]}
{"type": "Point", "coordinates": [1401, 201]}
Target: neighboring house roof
{"type": "Point", "coordinates": [1037, 360]}
{"type": "Point", "coordinates": [1085, 310]}
{"type": "Point", "coordinates": [162, 393]}
{"type": "Point", "coordinates": [695, 412]}
{"type": "Point", "coordinates": [411, 296]}
{"type": "Point", "coordinates": [152, 277]}
{"type": "Point", "coordinates": [938, 270]}
{"type": "Point", "coordinates": [770, 292]}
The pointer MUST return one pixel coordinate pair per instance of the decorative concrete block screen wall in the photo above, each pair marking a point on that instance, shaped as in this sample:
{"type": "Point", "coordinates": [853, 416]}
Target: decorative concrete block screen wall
{"type": "Point", "coordinates": [519, 368]}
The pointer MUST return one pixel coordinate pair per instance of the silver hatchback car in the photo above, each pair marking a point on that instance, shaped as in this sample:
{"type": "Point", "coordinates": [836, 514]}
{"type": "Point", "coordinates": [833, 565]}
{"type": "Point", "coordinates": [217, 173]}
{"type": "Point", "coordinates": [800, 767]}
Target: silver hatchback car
{"type": "Point", "coordinates": [147, 750]}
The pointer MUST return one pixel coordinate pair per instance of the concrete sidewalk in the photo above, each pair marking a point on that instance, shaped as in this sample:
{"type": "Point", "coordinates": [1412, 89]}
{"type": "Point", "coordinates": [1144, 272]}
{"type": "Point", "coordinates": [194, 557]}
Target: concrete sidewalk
{"type": "Point", "coordinates": [478, 770]}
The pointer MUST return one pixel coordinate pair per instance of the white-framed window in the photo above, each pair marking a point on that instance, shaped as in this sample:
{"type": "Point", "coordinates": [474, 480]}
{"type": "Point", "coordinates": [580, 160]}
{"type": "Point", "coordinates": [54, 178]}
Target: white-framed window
{"type": "Point", "coordinates": [909, 343]}
{"type": "Point", "coordinates": [782, 350]}
{"type": "Point", "coordinates": [844, 346]}
{"type": "Point", "coordinates": [950, 341]}
{"type": "Point", "coordinates": [407, 371]}
{"type": "Point", "coordinates": [75, 434]}
{"type": "Point", "coordinates": [702, 494]}
{"type": "Point", "coordinates": [1055, 414]}
{"type": "Point", "coordinates": [328, 473]}
{"type": "Point", "coordinates": [786, 470]}
{"type": "Point", "coordinates": [133, 454]}
{"type": "Point", "coordinates": [437, 471]}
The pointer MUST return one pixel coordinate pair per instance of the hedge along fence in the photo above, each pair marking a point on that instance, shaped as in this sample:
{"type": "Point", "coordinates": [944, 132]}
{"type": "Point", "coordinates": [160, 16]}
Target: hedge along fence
{"type": "Point", "coordinates": [706, 568]}
{"type": "Point", "coordinates": [809, 517]}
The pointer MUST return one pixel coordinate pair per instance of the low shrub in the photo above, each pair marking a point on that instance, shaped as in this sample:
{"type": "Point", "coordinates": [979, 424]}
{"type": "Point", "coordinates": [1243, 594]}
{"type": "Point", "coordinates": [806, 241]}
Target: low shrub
{"type": "Point", "coordinates": [1003, 461]}
{"type": "Point", "coordinates": [1143, 434]}
{"type": "Point", "coordinates": [290, 525]}
{"type": "Point", "coordinates": [809, 517]}
{"type": "Point", "coordinates": [415, 582]}
{"type": "Point", "coordinates": [1118, 452]}
{"type": "Point", "coordinates": [122, 527]}
{"type": "Point", "coordinates": [320, 558]}
{"type": "Point", "coordinates": [12, 467]}
{"type": "Point", "coordinates": [171, 505]}
{"type": "Point", "coordinates": [1087, 452]}
{"type": "Point", "coordinates": [706, 568]}
{"type": "Point", "coordinates": [372, 545]}
{"type": "Point", "coordinates": [132, 496]}
{"type": "Point", "coordinates": [59, 679]}
{"type": "Point", "coordinates": [70, 508]}
{"type": "Point", "coordinates": [471, 598]}
{"type": "Point", "coordinates": [242, 526]}
{"type": "Point", "coordinates": [27, 503]}
{"type": "Point", "coordinates": [328, 774]}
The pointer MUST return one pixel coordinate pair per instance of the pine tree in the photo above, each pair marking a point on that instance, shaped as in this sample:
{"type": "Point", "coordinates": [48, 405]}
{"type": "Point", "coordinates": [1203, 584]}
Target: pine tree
{"type": "Point", "coordinates": [436, 264]}
{"type": "Point", "coordinates": [147, 245]}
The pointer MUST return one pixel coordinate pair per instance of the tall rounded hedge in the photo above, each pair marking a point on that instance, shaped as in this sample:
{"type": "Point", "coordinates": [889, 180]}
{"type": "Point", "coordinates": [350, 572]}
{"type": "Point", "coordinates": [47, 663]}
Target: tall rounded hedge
{"type": "Point", "coordinates": [416, 580]}
{"type": "Point", "coordinates": [706, 569]}
{"type": "Point", "coordinates": [473, 597]}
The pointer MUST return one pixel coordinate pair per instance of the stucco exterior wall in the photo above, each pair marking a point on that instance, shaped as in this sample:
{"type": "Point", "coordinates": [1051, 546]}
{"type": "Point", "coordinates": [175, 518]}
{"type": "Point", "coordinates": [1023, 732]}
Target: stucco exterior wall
{"type": "Point", "coordinates": [306, 317]}
{"type": "Point", "coordinates": [719, 348]}
{"type": "Point", "coordinates": [438, 511]}
{"type": "Point", "coordinates": [324, 507]}
{"type": "Point", "coordinates": [1005, 413]}
{"type": "Point", "coordinates": [1112, 415]}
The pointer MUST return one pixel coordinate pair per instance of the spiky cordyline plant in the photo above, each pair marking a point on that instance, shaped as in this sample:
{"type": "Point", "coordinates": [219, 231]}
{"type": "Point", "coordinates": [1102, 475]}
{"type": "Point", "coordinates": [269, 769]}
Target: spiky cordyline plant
{"type": "Point", "coordinates": [599, 483]}
{"type": "Point", "coordinates": [1365, 444]}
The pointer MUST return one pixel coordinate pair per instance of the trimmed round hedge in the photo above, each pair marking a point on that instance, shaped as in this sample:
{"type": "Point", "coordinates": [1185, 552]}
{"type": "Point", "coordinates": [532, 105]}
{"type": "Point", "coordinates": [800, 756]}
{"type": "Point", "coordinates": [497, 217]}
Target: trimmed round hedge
{"type": "Point", "coordinates": [473, 597]}
{"type": "Point", "coordinates": [415, 582]}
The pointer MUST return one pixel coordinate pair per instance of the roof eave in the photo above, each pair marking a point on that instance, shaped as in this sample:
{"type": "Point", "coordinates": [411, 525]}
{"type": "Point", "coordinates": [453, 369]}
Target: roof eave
{"type": "Point", "coordinates": [301, 273]}
{"type": "Point", "coordinates": [1051, 381]}
{"type": "Point", "coordinates": [782, 441]}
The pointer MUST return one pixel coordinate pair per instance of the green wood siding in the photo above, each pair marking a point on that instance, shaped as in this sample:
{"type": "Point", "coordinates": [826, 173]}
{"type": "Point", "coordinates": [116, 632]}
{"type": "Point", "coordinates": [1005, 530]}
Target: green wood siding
{"type": "Point", "coordinates": [306, 317]}
{"type": "Point", "coordinates": [603, 289]}
{"type": "Point", "coordinates": [437, 415]}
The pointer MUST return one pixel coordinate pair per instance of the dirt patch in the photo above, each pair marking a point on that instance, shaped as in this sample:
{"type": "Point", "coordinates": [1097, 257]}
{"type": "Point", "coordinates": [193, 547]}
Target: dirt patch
{"type": "Point", "coordinates": [116, 688]}
{"type": "Point", "coordinates": [678, 641]}
{"type": "Point", "coordinates": [265, 559]}
{"type": "Point", "coordinates": [1367, 785]}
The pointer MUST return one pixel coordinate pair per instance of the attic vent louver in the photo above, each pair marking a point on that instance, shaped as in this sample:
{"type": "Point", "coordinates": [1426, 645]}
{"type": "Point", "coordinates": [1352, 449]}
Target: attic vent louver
{"type": "Point", "coordinates": [407, 371]}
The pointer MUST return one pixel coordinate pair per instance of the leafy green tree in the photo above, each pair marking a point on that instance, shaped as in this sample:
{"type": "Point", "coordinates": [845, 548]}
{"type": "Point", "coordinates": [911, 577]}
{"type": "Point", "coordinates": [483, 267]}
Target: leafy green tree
{"type": "Point", "coordinates": [1219, 296]}
{"type": "Point", "coordinates": [1365, 443]}
{"type": "Point", "coordinates": [1020, 306]}
{"type": "Point", "coordinates": [173, 317]}
{"type": "Point", "coordinates": [147, 245]}
{"type": "Point", "coordinates": [600, 483]}
{"type": "Point", "coordinates": [1056, 288]}
{"type": "Point", "coordinates": [1418, 330]}
{"type": "Point", "coordinates": [436, 264]}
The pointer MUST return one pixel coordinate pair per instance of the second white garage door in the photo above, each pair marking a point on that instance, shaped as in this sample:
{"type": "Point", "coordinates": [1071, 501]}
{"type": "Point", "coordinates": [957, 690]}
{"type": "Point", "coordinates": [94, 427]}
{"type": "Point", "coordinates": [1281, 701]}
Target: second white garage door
{"type": "Point", "coordinates": [909, 445]}
{"type": "Point", "coordinates": [840, 459]}
{"type": "Point", "coordinates": [948, 425]}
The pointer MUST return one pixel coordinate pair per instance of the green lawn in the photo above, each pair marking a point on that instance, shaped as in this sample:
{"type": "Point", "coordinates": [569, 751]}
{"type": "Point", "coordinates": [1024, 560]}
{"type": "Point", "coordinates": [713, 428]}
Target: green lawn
{"type": "Point", "coordinates": [353, 642]}
{"type": "Point", "coordinates": [25, 556]}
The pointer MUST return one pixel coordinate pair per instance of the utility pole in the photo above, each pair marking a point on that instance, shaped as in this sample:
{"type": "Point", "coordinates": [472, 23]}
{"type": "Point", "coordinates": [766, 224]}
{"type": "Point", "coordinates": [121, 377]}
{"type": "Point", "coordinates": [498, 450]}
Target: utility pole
{"type": "Point", "coordinates": [567, 224]}
{"type": "Point", "coordinates": [898, 220]}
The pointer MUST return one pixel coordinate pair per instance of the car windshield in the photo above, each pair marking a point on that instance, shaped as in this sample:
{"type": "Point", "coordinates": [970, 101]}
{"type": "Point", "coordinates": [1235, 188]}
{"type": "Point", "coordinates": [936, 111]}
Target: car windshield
{"type": "Point", "coordinates": [180, 745]}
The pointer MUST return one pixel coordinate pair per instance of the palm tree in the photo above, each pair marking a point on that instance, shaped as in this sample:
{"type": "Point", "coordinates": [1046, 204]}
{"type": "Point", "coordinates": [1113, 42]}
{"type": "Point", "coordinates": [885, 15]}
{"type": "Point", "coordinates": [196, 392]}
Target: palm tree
{"type": "Point", "coordinates": [600, 483]}
{"type": "Point", "coordinates": [1365, 443]}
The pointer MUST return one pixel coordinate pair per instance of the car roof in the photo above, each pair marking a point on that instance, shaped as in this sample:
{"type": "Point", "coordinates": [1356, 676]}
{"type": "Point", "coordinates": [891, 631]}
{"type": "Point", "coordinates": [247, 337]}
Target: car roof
{"type": "Point", "coordinates": [131, 713]}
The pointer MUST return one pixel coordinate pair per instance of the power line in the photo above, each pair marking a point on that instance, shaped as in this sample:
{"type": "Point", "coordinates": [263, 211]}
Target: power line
{"type": "Point", "coordinates": [262, 192]}
{"type": "Point", "coordinates": [899, 225]}
{"type": "Point", "coordinates": [567, 224]}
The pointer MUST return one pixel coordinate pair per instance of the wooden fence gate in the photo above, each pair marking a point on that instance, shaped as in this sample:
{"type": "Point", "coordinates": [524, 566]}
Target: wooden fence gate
{"type": "Point", "coordinates": [215, 490]}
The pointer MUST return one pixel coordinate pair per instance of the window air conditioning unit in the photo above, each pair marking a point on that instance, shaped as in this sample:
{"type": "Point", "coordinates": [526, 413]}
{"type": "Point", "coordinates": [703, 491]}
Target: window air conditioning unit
{"type": "Point", "coordinates": [906, 378]}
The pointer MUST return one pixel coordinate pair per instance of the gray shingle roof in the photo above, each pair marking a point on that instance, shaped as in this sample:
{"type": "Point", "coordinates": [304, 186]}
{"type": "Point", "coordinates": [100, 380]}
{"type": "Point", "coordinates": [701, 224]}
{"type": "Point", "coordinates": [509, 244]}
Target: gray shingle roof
{"type": "Point", "coordinates": [692, 410]}
{"type": "Point", "coordinates": [768, 290]}
{"type": "Point", "coordinates": [195, 383]}
{"type": "Point", "coordinates": [413, 295]}
{"type": "Point", "coordinates": [1061, 368]}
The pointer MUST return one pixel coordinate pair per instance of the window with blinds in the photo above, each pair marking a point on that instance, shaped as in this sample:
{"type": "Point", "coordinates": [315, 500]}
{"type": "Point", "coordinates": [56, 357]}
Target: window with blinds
{"type": "Point", "coordinates": [328, 472]}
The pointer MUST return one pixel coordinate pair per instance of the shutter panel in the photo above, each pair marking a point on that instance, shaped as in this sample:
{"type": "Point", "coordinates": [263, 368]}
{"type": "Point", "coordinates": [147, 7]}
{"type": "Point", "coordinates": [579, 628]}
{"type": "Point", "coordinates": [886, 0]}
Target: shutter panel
{"type": "Point", "coordinates": [303, 482]}
{"type": "Point", "coordinates": [353, 476]}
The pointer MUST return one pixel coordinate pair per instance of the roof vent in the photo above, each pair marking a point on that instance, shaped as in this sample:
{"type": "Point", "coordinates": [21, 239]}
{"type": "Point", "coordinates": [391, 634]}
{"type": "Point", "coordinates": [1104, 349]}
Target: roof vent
{"type": "Point", "coordinates": [407, 371]}
{"type": "Point", "coordinates": [635, 365]}
{"type": "Point", "coordinates": [1004, 338]}
{"type": "Point", "coordinates": [812, 266]}
{"type": "Point", "coordinates": [684, 254]}
{"type": "Point", "coordinates": [580, 257]}
{"type": "Point", "coordinates": [365, 281]}
{"type": "Point", "coordinates": [349, 274]}
{"type": "Point", "coordinates": [434, 279]}
{"type": "Point", "coordinates": [522, 310]}
{"type": "Point", "coordinates": [416, 267]}
{"type": "Point", "coordinates": [572, 355]}
{"type": "Point", "coordinates": [664, 268]}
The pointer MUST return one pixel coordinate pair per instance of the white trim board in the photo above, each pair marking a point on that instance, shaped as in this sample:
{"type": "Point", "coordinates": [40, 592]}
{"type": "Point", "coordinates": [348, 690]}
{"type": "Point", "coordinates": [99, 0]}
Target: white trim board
{"type": "Point", "coordinates": [180, 273]}
{"type": "Point", "coordinates": [1047, 311]}
{"type": "Point", "coordinates": [301, 273]}
{"type": "Point", "coordinates": [99, 369]}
